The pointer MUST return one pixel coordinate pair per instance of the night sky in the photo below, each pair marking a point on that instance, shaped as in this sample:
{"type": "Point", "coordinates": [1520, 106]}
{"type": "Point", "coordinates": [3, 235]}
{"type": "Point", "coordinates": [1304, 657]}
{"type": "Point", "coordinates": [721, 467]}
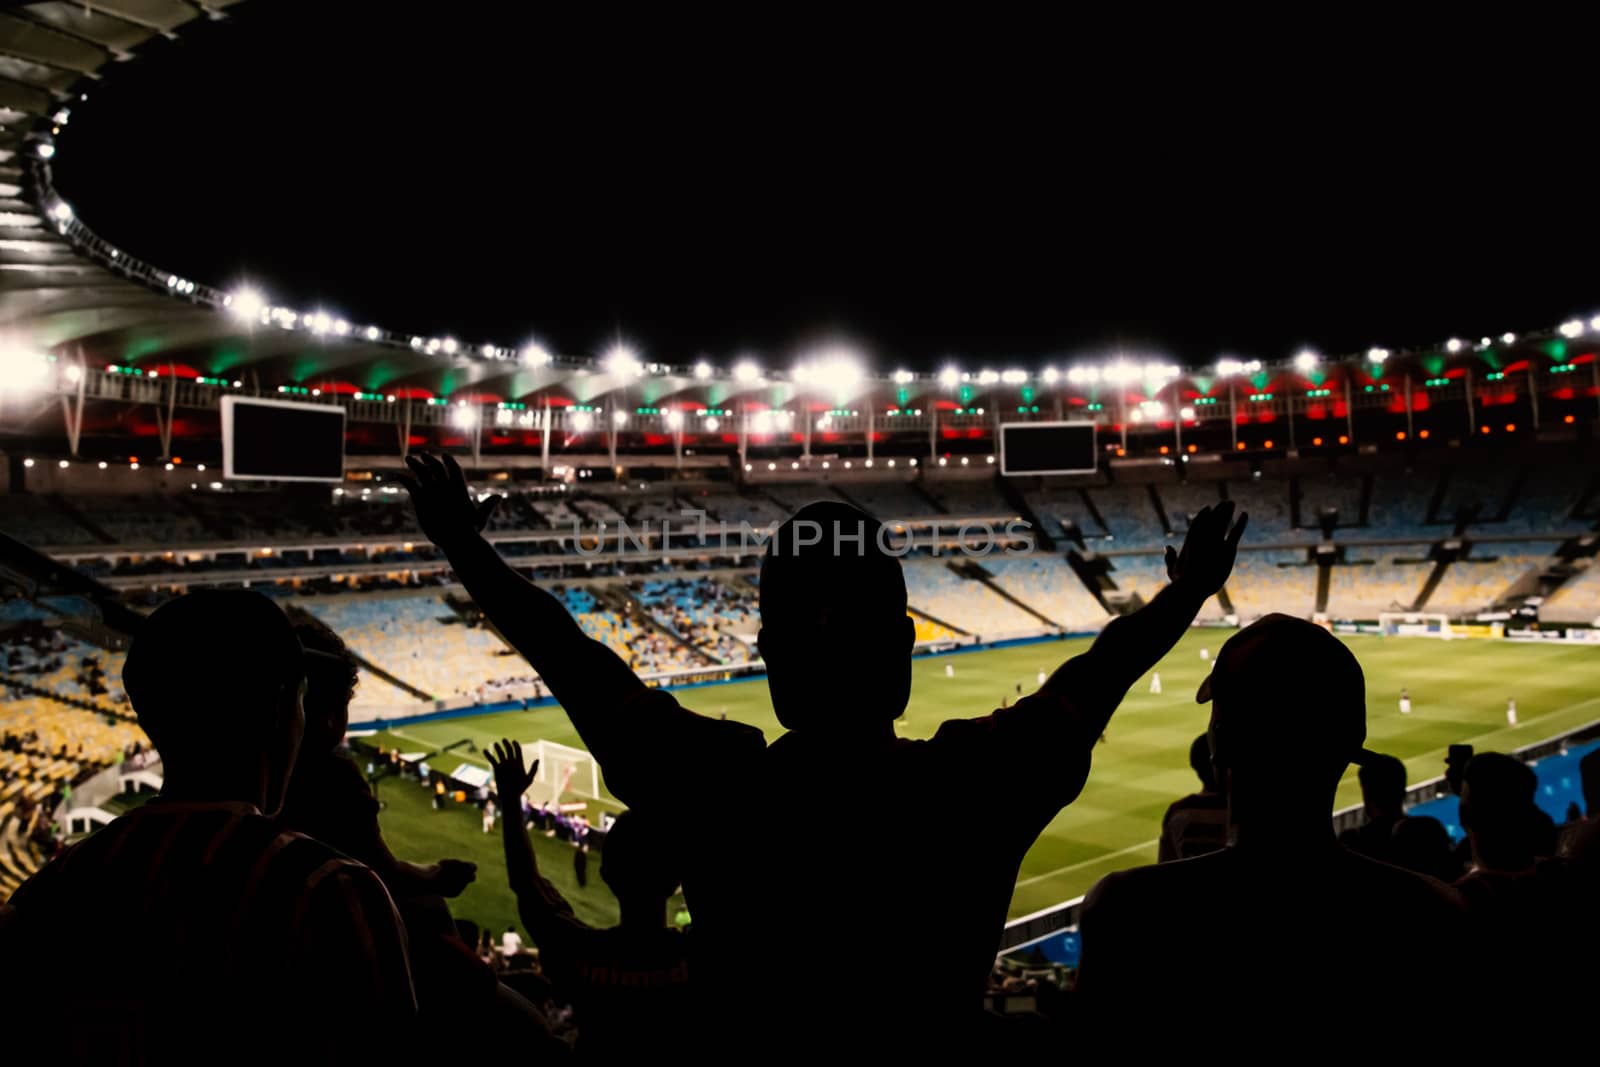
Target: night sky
{"type": "Point", "coordinates": [984, 191]}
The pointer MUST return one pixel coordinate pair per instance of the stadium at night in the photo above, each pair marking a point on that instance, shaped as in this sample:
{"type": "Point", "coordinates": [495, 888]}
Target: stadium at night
{"type": "Point", "coordinates": [1432, 502]}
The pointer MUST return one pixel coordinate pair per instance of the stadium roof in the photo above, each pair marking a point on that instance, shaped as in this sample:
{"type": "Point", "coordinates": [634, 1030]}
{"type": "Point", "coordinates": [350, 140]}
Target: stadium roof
{"type": "Point", "coordinates": [68, 295]}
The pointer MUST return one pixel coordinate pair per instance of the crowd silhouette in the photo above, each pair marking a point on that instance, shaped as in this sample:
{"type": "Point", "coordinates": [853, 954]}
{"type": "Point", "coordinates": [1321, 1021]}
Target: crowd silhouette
{"type": "Point", "coordinates": [273, 920]}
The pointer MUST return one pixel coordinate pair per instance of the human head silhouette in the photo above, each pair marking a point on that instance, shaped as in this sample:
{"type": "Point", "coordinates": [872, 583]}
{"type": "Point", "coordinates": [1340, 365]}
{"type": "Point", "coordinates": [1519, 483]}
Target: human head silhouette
{"type": "Point", "coordinates": [1421, 843]}
{"type": "Point", "coordinates": [639, 865]}
{"type": "Point", "coordinates": [216, 678]}
{"type": "Point", "coordinates": [331, 679]}
{"type": "Point", "coordinates": [1498, 811]}
{"type": "Point", "coordinates": [1200, 762]}
{"type": "Point", "coordinates": [834, 630]}
{"type": "Point", "coordinates": [1279, 745]}
{"type": "Point", "coordinates": [1383, 786]}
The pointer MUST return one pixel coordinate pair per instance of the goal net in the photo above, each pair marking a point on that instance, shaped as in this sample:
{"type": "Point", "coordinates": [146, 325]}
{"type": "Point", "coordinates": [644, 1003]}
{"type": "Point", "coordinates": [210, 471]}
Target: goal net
{"type": "Point", "coordinates": [1415, 624]}
{"type": "Point", "coordinates": [565, 773]}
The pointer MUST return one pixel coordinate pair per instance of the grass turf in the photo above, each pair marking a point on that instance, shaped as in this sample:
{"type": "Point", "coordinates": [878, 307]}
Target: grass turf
{"type": "Point", "coordinates": [1458, 691]}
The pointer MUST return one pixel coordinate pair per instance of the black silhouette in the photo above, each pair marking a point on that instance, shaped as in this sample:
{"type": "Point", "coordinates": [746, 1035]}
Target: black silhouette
{"type": "Point", "coordinates": [776, 889]}
{"type": "Point", "coordinates": [1383, 796]}
{"type": "Point", "coordinates": [242, 942]}
{"type": "Point", "coordinates": [629, 984]}
{"type": "Point", "coordinates": [1285, 919]}
{"type": "Point", "coordinates": [1198, 823]}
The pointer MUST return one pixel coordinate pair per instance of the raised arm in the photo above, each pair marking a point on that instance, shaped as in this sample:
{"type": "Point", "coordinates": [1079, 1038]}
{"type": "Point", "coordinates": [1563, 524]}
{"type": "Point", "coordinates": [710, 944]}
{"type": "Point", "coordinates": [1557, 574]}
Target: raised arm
{"type": "Point", "coordinates": [583, 674]}
{"type": "Point", "coordinates": [544, 911]}
{"type": "Point", "coordinates": [1132, 644]}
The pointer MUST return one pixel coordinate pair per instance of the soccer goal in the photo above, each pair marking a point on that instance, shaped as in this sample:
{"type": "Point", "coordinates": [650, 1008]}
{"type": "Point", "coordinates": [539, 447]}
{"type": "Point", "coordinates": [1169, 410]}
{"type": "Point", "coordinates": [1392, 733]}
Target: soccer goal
{"type": "Point", "coordinates": [564, 773]}
{"type": "Point", "coordinates": [1415, 624]}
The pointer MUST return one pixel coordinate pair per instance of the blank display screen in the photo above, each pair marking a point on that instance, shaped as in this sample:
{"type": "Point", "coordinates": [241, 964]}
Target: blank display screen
{"type": "Point", "coordinates": [282, 441]}
{"type": "Point", "coordinates": [1047, 448]}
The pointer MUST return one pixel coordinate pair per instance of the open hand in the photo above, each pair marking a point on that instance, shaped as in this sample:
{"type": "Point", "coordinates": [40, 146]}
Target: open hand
{"type": "Point", "coordinates": [445, 509]}
{"type": "Point", "coordinates": [511, 777]}
{"type": "Point", "coordinates": [1209, 548]}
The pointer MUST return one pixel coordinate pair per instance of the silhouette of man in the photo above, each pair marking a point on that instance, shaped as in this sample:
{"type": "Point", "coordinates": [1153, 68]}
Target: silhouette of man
{"type": "Point", "coordinates": [1198, 823]}
{"type": "Point", "coordinates": [1284, 917]}
{"type": "Point", "coordinates": [629, 984]}
{"type": "Point", "coordinates": [837, 644]}
{"type": "Point", "coordinates": [1383, 796]}
{"type": "Point", "coordinates": [248, 943]}
{"type": "Point", "coordinates": [1518, 899]}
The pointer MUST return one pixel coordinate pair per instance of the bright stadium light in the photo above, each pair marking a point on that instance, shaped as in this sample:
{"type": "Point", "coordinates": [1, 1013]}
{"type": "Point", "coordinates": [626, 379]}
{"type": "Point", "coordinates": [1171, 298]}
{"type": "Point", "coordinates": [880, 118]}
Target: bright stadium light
{"type": "Point", "coordinates": [674, 420]}
{"type": "Point", "coordinates": [702, 370]}
{"type": "Point", "coordinates": [245, 303]}
{"type": "Point", "coordinates": [1166, 372]}
{"type": "Point", "coordinates": [713, 424]}
{"type": "Point", "coordinates": [534, 355]}
{"type": "Point", "coordinates": [61, 211]}
{"type": "Point", "coordinates": [21, 370]}
{"type": "Point", "coordinates": [950, 377]}
{"type": "Point", "coordinates": [27, 463]}
{"type": "Point", "coordinates": [1084, 375]}
{"type": "Point", "coordinates": [373, 333]}
{"type": "Point", "coordinates": [1508, 338]}
{"type": "Point", "coordinates": [463, 417]}
{"type": "Point", "coordinates": [1377, 355]}
{"type": "Point", "coordinates": [1572, 328]}
{"type": "Point", "coordinates": [903, 377]}
{"type": "Point", "coordinates": [1455, 344]}
{"type": "Point", "coordinates": [1186, 414]}
{"type": "Point", "coordinates": [319, 322]}
{"type": "Point", "coordinates": [1051, 376]}
{"type": "Point", "coordinates": [1014, 377]}
{"type": "Point", "coordinates": [1594, 324]}
{"type": "Point", "coordinates": [1121, 373]}
{"type": "Point", "coordinates": [46, 150]}
{"type": "Point", "coordinates": [433, 346]}
{"type": "Point", "coordinates": [449, 345]}
{"type": "Point", "coordinates": [619, 418]}
{"type": "Point", "coordinates": [835, 369]}
{"type": "Point", "coordinates": [582, 421]}
{"type": "Point", "coordinates": [988, 377]}
{"type": "Point", "coordinates": [1231, 368]}
{"type": "Point", "coordinates": [73, 373]}
{"type": "Point", "coordinates": [623, 362]}
{"type": "Point", "coordinates": [102, 464]}
{"type": "Point", "coordinates": [746, 370]}
{"type": "Point", "coordinates": [1305, 361]}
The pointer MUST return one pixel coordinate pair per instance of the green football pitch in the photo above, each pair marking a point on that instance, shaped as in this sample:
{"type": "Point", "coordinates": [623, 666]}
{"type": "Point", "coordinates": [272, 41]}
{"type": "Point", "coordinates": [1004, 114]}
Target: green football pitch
{"type": "Point", "coordinates": [1458, 690]}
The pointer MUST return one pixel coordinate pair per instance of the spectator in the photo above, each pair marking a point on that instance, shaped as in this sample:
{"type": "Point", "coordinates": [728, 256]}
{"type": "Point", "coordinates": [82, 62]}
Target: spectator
{"type": "Point", "coordinates": [1198, 823]}
{"type": "Point", "coordinates": [830, 593]}
{"type": "Point", "coordinates": [1383, 796]}
{"type": "Point", "coordinates": [1519, 900]}
{"type": "Point", "coordinates": [1420, 843]}
{"type": "Point", "coordinates": [247, 938]}
{"type": "Point", "coordinates": [629, 984]}
{"type": "Point", "coordinates": [1285, 920]}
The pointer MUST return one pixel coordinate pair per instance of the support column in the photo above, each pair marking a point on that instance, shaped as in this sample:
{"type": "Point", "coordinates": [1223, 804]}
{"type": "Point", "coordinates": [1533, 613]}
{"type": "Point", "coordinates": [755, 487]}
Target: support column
{"type": "Point", "coordinates": [1349, 410]}
{"type": "Point", "coordinates": [544, 440]}
{"type": "Point", "coordinates": [871, 422]}
{"type": "Point", "coordinates": [1410, 421]}
{"type": "Point", "coordinates": [1472, 418]}
{"type": "Point", "coordinates": [1533, 395]}
{"type": "Point", "coordinates": [1233, 413]}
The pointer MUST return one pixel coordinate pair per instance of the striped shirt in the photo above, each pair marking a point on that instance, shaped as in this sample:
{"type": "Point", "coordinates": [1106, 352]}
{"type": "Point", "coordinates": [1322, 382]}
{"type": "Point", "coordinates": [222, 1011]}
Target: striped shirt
{"type": "Point", "coordinates": [186, 928]}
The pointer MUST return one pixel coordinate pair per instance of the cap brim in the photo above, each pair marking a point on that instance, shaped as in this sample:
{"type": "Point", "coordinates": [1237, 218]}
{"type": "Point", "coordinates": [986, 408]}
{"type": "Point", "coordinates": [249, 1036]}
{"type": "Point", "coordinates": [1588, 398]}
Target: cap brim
{"type": "Point", "coordinates": [1203, 694]}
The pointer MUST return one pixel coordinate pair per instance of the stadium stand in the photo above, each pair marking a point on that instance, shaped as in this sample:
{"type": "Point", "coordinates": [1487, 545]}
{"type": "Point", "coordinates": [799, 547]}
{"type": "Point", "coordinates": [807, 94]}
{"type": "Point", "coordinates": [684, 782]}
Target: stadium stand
{"type": "Point", "coordinates": [1267, 501]}
{"type": "Point", "coordinates": [934, 588]}
{"type": "Point", "coordinates": [1129, 516]}
{"type": "Point", "coordinates": [1362, 589]}
{"type": "Point", "coordinates": [1399, 504]}
{"type": "Point", "coordinates": [890, 500]}
{"type": "Point", "coordinates": [970, 498]}
{"type": "Point", "coordinates": [1057, 505]}
{"type": "Point", "coordinates": [1577, 599]}
{"type": "Point", "coordinates": [1184, 499]}
{"type": "Point", "coordinates": [1273, 580]}
{"type": "Point", "coordinates": [714, 619]}
{"type": "Point", "coordinates": [1331, 491]}
{"type": "Point", "coordinates": [1046, 584]}
{"type": "Point", "coordinates": [1550, 493]}
{"type": "Point", "coordinates": [1474, 584]}
{"type": "Point", "coordinates": [1476, 489]}
{"type": "Point", "coordinates": [1145, 575]}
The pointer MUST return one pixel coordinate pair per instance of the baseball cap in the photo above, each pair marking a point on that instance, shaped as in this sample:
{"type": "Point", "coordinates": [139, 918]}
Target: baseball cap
{"type": "Point", "coordinates": [1308, 677]}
